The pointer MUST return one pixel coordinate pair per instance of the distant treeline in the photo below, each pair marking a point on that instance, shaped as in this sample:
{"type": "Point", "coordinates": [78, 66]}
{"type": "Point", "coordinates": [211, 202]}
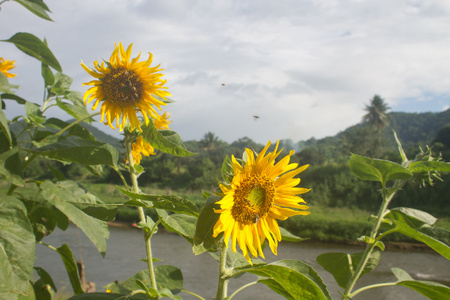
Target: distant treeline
{"type": "Point", "coordinates": [329, 176]}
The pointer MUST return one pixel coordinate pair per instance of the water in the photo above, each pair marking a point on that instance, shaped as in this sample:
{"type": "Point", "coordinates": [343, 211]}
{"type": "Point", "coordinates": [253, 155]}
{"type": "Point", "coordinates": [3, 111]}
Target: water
{"type": "Point", "coordinates": [125, 248]}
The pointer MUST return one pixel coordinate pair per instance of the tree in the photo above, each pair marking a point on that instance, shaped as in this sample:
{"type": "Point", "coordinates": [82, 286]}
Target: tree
{"type": "Point", "coordinates": [209, 141]}
{"type": "Point", "coordinates": [376, 113]}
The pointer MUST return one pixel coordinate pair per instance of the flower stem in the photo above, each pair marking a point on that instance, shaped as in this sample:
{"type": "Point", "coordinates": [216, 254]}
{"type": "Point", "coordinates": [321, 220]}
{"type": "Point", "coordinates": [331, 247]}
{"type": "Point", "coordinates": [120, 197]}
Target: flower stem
{"type": "Point", "coordinates": [241, 288]}
{"type": "Point", "coordinates": [387, 197]}
{"type": "Point", "coordinates": [222, 286]}
{"type": "Point", "coordinates": [147, 235]}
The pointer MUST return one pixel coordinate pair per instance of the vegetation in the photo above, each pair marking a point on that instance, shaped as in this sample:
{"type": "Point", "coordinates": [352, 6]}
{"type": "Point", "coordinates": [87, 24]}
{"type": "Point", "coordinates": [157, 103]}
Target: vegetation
{"type": "Point", "coordinates": [34, 202]}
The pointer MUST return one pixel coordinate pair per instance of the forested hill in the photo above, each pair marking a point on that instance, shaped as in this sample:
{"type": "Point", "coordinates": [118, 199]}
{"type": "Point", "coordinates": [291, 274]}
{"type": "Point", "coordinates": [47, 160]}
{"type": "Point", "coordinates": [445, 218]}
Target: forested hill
{"type": "Point", "coordinates": [413, 129]}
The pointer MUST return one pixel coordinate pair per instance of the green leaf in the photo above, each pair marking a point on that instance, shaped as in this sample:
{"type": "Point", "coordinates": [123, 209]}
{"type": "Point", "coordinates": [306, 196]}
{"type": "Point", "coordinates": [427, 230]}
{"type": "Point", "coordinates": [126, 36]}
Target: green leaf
{"type": "Point", "coordinates": [16, 98]}
{"type": "Point", "coordinates": [184, 225]}
{"type": "Point", "coordinates": [435, 237]}
{"type": "Point", "coordinates": [17, 246]}
{"type": "Point", "coordinates": [203, 239]}
{"type": "Point", "coordinates": [429, 166]}
{"type": "Point", "coordinates": [76, 111]}
{"type": "Point", "coordinates": [227, 170]}
{"type": "Point", "coordinates": [105, 296]}
{"type": "Point", "coordinates": [431, 290]}
{"type": "Point", "coordinates": [293, 278]}
{"type": "Point", "coordinates": [34, 113]}
{"type": "Point", "coordinates": [167, 277]}
{"type": "Point", "coordinates": [400, 148]}
{"type": "Point", "coordinates": [62, 195]}
{"type": "Point", "coordinates": [11, 167]}
{"type": "Point", "coordinates": [289, 237]}
{"type": "Point", "coordinates": [71, 268]}
{"type": "Point", "coordinates": [5, 87]}
{"type": "Point", "coordinates": [366, 168]}
{"type": "Point", "coordinates": [343, 265]}
{"type": "Point", "coordinates": [62, 84]}
{"type": "Point", "coordinates": [37, 7]}
{"type": "Point", "coordinates": [167, 202]}
{"type": "Point", "coordinates": [5, 127]}
{"type": "Point", "coordinates": [80, 151]}
{"type": "Point", "coordinates": [276, 287]}
{"type": "Point", "coordinates": [45, 277]}
{"type": "Point", "coordinates": [33, 46]}
{"type": "Point", "coordinates": [167, 141]}
{"type": "Point", "coordinates": [410, 216]}
{"type": "Point", "coordinates": [47, 74]}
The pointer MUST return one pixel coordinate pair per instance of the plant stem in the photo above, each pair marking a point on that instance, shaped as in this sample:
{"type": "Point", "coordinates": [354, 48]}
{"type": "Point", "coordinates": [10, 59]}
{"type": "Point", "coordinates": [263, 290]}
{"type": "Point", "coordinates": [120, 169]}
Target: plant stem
{"type": "Point", "coordinates": [371, 287]}
{"type": "Point", "coordinates": [241, 288]}
{"type": "Point", "coordinates": [387, 197]}
{"type": "Point", "coordinates": [222, 286]}
{"type": "Point", "coordinates": [147, 235]}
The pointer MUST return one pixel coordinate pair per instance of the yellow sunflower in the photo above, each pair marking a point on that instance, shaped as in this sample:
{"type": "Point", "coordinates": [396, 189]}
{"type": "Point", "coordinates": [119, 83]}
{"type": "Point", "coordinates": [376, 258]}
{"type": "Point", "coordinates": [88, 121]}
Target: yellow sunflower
{"type": "Point", "coordinates": [5, 66]}
{"type": "Point", "coordinates": [261, 192]}
{"type": "Point", "coordinates": [125, 87]}
{"type": "Point", "coordinates": [139, 148]}
{"type": "Point", "coordinates": [163, 121]}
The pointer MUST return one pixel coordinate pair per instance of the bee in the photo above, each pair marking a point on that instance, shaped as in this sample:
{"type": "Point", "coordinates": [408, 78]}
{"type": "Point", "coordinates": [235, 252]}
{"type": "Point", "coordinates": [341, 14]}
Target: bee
{"type": "Point", "coordinates": [255, 218]}
{"type": "Point", "coordinates": [255, 117]}
{"type": "Point", "coordinates": [223, 84]}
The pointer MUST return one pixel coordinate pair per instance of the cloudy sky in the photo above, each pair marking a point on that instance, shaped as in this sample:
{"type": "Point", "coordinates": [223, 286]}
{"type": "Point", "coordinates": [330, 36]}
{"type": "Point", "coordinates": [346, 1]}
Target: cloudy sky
{"type": "Point", "coordinates": [306, 68]}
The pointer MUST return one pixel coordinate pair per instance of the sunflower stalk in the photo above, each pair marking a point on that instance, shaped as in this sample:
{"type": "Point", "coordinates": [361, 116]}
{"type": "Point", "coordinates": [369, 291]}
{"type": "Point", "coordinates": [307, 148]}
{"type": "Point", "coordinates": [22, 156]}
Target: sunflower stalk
{"type": "Point", "coordinates": [222, 286]}
{"type": "Point", "coordinates": [387, 195]}
{"type": "Point", "coordinates": [147, 235]}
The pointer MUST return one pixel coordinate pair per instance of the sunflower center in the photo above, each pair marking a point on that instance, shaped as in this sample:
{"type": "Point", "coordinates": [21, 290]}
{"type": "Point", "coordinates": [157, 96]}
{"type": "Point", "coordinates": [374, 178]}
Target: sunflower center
{"type": "Point", "coordinates": [253, 199]}
{"type": "Point", "coordinates": [122, 87]}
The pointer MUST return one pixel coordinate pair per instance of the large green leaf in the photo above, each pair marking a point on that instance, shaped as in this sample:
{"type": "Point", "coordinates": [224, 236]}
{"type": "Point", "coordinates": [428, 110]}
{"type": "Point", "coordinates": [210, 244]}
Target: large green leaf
{"type": "Point", "coordinates": [167, 141]}
{"type": "Point", "coordinates": [62, 195]}
{"type": "Point", "coordinates": [33, 46]}
{"type": "Point", "coordinates": [420, 230]}
{"type": "Point", "coordinates": [431, 290]}
{"type": "Point", "coordinates": [410, 216]}
{"type": "Point", "coordinates": [11, 167]}
{"type": "Point", "coordinates": [184, 225]}
{"type": "Point", "coordinates": [62, 84]}
{"type": "Point", "coordinates": [371, 169]}
{"type": "Point", "coordinates": [17, 246]}
{"type": "Point", "coordinates": [343, 265]}
{"type": "Point", "coordinates": [37, 7]}
{"type": "Point", "coordinates": [71, 268]}
{"type": "Point", "coordinates": [293, 278]}
{"type": "Point", "coordinates": [80, 151]}
{"type": "Point", "coordinates": [167, 202]}
{"type": "Point", "coordinates": [203, 239]}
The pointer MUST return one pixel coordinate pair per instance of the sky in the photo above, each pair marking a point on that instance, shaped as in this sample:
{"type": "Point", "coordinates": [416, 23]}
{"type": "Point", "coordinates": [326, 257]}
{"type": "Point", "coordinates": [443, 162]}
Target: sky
{"type": "Point", "coordinates": [305, 68]}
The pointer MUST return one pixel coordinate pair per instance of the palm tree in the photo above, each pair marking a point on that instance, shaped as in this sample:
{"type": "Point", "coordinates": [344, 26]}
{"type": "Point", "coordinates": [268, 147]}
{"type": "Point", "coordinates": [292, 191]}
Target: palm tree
{"type": "Point", "coordinates": [376, 113]}
{"type": "Point", "coordinates": [209, 141]}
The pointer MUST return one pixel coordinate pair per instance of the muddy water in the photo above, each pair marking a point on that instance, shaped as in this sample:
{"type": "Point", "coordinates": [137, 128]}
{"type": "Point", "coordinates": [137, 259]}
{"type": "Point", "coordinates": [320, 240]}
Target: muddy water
{"type": "Point", "coordinates": [125, 248]}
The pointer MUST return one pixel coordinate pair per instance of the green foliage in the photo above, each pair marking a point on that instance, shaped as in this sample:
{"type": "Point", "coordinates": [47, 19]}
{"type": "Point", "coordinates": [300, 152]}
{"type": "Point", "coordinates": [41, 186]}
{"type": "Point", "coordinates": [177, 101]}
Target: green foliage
{"type": "Point", "coordinates": [291, 278]}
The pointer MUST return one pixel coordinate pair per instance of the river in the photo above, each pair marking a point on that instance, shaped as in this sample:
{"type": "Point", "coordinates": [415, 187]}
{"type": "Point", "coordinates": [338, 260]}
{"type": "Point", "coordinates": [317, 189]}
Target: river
{"type": "Point", "coordinates": [125, 248]}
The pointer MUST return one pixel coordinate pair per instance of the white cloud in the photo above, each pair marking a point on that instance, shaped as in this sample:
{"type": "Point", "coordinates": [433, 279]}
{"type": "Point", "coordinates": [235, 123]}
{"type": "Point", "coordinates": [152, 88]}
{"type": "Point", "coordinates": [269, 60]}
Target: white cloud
{"type": "Point", "coordinates": [306, 68]}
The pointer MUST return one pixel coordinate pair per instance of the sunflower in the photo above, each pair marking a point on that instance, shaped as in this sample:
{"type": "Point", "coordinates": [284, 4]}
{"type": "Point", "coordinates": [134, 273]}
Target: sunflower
{"type": "Point", "coordinates": [260, 193]}
{"type": "Point", "coordinates": [5, 66]}
{"type": "Point", "coordinates": [125, 87]}
{"type": "Point", "coordinates": [139, 148]}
